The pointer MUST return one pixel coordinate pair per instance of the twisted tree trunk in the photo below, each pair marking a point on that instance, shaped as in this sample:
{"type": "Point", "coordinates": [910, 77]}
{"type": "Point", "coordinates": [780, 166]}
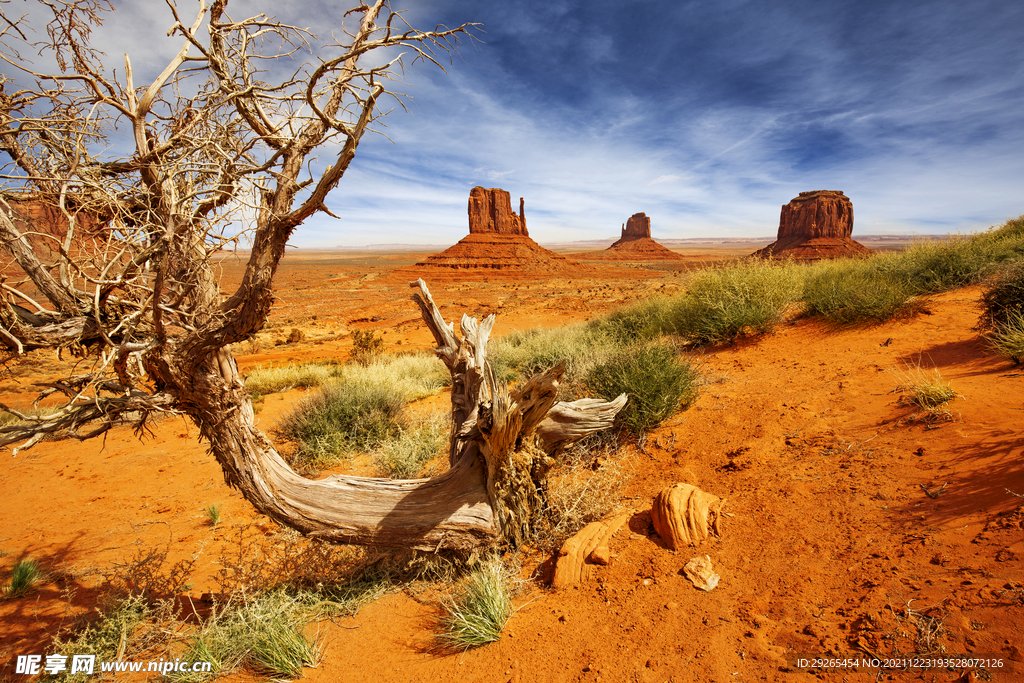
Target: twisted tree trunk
{"type": "Point", "coordinates": [502, 447]}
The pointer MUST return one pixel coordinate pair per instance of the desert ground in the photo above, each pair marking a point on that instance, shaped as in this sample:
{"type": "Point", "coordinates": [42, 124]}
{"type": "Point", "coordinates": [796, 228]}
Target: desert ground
{"type": "Point", "coordinates": [856, 528]}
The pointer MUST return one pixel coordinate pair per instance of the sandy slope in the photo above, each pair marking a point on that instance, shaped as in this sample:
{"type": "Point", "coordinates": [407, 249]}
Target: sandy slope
{"type": "Point", "coordinates": [833, 546]}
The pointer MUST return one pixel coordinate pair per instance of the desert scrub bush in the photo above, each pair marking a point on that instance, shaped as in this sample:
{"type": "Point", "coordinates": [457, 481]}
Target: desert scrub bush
{"type": "Point", "coordinates": [1003, 297]}
{"type": "Point", "coordinates": [721, 303]}
{"type": "Point", "coordinates": [477, 614]}
{"type": "Point", "coordinates": [341, 418]}
{"type": "Point", "coordinates": [262, 380]}
{"type": "Point", "coordinates": [523, 354]}
{"type": "Point", "coordinates": [1008, 338]}
{"type": "Point", "coordinates": [657, 383]}
{"type": "Point", "coordinates": [849, 291]}
{"type": "Point", "coordinates": [24, 575]}
{"type": "Point", "coordinates": [366, 346]}
{"type": "Point", "coordinates": [405, 456]}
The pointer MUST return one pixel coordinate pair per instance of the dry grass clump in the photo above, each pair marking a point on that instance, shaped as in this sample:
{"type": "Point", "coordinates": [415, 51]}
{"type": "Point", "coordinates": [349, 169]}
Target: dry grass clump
{"type": "Point", "coordinates": [262, 380]}
{"type": "Point", "coordinates": [1008, 338]}
{"type": "Point", "coordinates": [585, 488]}
{"type": "Point", "coordinates": [926, 390]}
{"type": "Point", "coordinates": [405, 456]}
{"type": "Point", "coordinates": [479, 611]}
{"type": "Point", "coordinates": [263, 633]}
{"type": "Point", "coordinates": [1003, 315]}
{"type": "Point", "coordinates": [523, 354]}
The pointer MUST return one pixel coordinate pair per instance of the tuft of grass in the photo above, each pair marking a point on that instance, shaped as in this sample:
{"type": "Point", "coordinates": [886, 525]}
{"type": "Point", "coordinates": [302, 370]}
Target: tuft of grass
{"type": "Point", "coordinates": [213, 514]}
{"type": "Point", "coordinates": [24, 575]}
{"type": "Point", "coordinates": [478, 613]}
{"type": "Point", "coordinates": [1008, 338]}
{"type": "Point", "coordinates": [926, 390]}
{"type": "Point", "coordinates": [405, 456]}
{"type": "Point", "coordinates": [124, 629]}
{"type": "Point", "coordinates": [264, 633]}
{"type": "Point", "coordinates": [339, 419]}
{"type": "Point", "coordinates": [747, 298]}
{"type": "Point", "coordinates": [657, 383]}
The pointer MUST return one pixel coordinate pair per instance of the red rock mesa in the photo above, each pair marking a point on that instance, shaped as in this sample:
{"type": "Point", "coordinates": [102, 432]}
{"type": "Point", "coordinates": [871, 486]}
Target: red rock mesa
{"type": "Point", "coordinates": [497, 240]}
{"type": "Point", "coordinates": [815, 225]}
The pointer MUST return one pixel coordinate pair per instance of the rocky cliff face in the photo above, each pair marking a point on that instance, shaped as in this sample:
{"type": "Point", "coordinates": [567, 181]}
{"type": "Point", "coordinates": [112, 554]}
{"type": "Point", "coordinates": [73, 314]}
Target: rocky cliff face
{"type": "Point", "coordinates": [490, 213]}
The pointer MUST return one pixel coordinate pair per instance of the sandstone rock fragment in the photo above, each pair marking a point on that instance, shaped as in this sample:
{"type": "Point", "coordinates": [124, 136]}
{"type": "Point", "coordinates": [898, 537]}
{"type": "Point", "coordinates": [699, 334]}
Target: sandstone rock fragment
{"type": "Point", "coordinates": [684, 515]}
{"type": "Point", "coordinates": [587, 548]}
{"type": "Point", "coordinates": [815, 225]}
{"type": "Point", "coordinates": [701, 574]}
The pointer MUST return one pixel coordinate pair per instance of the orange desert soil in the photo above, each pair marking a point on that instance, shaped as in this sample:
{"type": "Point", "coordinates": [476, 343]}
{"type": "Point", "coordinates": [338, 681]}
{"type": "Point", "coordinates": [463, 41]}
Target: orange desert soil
{"type": "Point", "coordinates": [855, 528]}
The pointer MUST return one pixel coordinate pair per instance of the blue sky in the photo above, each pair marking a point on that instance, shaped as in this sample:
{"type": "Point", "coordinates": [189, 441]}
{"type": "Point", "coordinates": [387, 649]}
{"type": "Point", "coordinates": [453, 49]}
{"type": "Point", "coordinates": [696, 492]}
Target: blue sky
{"type": "Point", "coordinates": [708, 116]}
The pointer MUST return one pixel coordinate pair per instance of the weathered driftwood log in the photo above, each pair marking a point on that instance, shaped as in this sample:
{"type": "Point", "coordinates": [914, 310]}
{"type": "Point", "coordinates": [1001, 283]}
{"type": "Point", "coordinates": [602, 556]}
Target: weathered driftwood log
{"type": "Point", "coordinates": [501, 448]}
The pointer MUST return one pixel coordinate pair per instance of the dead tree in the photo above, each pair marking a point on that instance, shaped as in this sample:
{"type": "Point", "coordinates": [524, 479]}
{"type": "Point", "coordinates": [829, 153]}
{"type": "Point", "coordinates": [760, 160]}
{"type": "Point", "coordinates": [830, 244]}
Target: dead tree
{"type": "Point", "coordinates": [116, 255]}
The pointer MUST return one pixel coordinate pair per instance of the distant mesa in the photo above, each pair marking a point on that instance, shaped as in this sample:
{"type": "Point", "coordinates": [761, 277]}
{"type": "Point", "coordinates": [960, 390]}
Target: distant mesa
{"type": "Point", "coordinates": [490, 213]}
{"type": "Point", "coordinates": [497, 240]}
{"type": "Point", "coordinates": [815, 225]}
{"type": "Point", "coordinates": [635, 244]}
{"type": "Point", "coordinates": [637, 227]}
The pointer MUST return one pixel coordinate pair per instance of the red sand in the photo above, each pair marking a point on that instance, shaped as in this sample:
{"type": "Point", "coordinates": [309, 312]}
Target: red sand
{"type": "Point", "coordinates": [834, 545]}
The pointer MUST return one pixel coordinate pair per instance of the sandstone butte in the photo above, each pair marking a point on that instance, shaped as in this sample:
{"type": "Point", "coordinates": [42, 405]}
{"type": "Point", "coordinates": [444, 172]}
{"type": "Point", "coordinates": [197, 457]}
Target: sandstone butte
{"type": "Point", "coordinates": [635, 244]}
{"type": "Point", "coordinates": [497, 240]}
{"type": "Point", "coordinates": [815, 225]}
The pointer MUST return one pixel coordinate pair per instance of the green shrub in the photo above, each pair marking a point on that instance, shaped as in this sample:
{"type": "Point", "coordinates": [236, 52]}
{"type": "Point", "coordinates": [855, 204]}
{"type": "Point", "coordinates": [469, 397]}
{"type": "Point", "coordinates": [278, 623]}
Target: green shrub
{"type": "Point", "coordinates": [366, 346]}
{"type": "Point", "coordinates": [658, 385]}
{"type": "Point", "coordinates": [341, 418]}
{"type": "Point", "coordinates": [477, 615]}
{"type": "Point", "coordinates": [849, 291]}
{"type": "Point", "coordinates": [1008, 338]}
{"type": "Point", "coordinates": [24, 575]}
{"type": "Point", "coordinates": [1003, 297]}
{"type": "Point", "coordinates": [722, 303]}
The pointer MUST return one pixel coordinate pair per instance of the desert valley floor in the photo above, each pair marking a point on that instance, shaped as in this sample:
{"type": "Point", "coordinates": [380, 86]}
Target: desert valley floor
{"type": "Point", "coordinates": [855, 528]}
